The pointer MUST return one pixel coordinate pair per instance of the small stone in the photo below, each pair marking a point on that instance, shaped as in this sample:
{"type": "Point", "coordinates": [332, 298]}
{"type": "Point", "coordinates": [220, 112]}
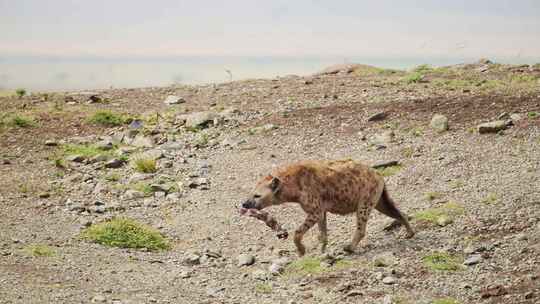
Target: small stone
{"type": "Point", "coordinates": [384, 260]}
{"type": "Point", "coordinates": [214, 291]}
{"type": "Point", "coordinates": [492, 127]}
{"type": "Point", "coordinates": [76, 158]}
{"type": "Point", "coordinates": [142, 141]}
{"type": "Point", "coordinates": [51, 143]}
{"type": "Point", "coordinates": [377, 116]}
{"type": "Point", "coordinates": [245, 260]}
{"type": "Point", "coordinates": [515, 117]}
{"type": "Point", "coordinates": [473, 259]}
{"type": "Point", "coordinates": [355, 293]}
{"type": "Point", "coordinates": [136, 124]}
{"type": "Point", "coordinates": [199, 119]}
{"type": "Point", "coordinates": [114, 163]}
{"type": "Point", "coordinates": [260, 275]}
{"type": "Point", "coordinates": [44, 195]}
{"type": "Point", "coordinates": [133, 194]}
{"type": "Point", "coordinates": [191, 259]}
{"type": "Point", "coordinates": [160, 194]}
{"type": "Point", "coordinates": [439, 123]}
{"type": "Point", "coordinates": [444, 220]}
{"type": "Point", "coordinates": [99, 299]}
{"type": "Point", "coordinates": [172, 100]}
{"type": "Point", "coordinates": [184, 274]}
{"type": "Point", "coordinates": [105, 144]}
{"type": "Point", "coordinates": [389, 280]}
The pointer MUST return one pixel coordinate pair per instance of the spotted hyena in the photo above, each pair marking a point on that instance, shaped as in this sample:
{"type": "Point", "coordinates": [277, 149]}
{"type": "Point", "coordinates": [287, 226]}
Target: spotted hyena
{"type": "Point", "coordinates": [339, 187]}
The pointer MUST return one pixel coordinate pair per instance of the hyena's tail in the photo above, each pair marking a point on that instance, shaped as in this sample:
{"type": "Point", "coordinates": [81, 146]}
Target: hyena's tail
{"type": "Point", "coordinates": [387, 206]}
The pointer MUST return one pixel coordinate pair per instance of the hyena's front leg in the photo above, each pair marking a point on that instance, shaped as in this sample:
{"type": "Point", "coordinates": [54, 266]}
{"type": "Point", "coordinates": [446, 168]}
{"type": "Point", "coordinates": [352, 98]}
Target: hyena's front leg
{"type": "Point", "coordinates": [323, 232]}
{"type": "Point", "coordinates": [310, 220]}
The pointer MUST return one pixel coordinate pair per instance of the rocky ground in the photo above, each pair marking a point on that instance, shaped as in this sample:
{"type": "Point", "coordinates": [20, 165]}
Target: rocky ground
{"type": "Point", "coordinates": [74, 159]}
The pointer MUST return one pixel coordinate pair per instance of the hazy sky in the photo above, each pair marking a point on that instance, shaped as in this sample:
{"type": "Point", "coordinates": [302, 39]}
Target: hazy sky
{"type": "Point", "coordinates": [473, 28]}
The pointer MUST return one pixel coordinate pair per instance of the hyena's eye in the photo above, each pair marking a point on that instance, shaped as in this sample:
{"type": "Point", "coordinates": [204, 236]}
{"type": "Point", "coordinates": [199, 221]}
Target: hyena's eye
{"type": "Point", "coordinates": [256, 196]}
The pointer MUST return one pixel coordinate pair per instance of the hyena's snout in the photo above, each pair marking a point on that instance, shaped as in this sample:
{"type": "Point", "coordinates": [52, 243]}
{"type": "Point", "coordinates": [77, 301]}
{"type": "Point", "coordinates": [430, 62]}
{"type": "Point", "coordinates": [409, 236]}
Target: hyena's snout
{"type": "Point", "coordinates": [249, 204]}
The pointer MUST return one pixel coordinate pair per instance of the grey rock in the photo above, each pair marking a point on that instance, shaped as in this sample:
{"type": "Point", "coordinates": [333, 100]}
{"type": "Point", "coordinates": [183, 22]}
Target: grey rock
{"type": "Point", "coordinates": [214, 291]}
{"type": "Point", "coordinates": [136, 124]}
{"type": "Point", "coordinates": [51, 143]}
{"type": "Point", "coordinates": [473, 259]}
{"type": "Point", "coordinates": [384, 260]}
{"type": "Point", "coordinates": [160, 194]}
{"type": "Point", "coordinates": [98, 158]}
{"type": "Point", "coordinates": [355, 293]}
{"type": "Point", "coordinates": [377, 116]}
{"type": "Point", "coordinates": [133, 194]}
{"type": "Point", "coordinates": [154, 154]}
{"type": "Point", "coordinates": [389, 280]}
{"type": "Point", "coordinates": [172, 100]}
{"type": "Point", "coordinates": [260, 275]}
{"type": "Point", "coordinates": [444, 220]}
{"type": "Point", "coordinates": [142, 141]}
{"type": "Point", "coordinates": [105, 144]}
{"type": "Point", "coordinates": [99, 299]}
{"type": "Point", "coordinates": [191, 259]}
{"type": "Point", "coordinates": [515, 117]}
{"type": "Point", "coordinates": [382, 139]}
{"type": "Point", "coordinates": [199, 119]}
{"type": "Point", "coordinates": [439, 123]}
{"type": "Point", "coordinates": [492, 127]}
{"type": "Point", "coordinates": [200, 183]}
{"type": "Point", "coordinates": [114, 163]}
{"type": "Point", "coordinates": [245, 260]}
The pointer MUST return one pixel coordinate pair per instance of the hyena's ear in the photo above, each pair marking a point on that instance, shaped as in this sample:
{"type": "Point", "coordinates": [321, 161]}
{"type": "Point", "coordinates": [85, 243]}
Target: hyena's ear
{"type": "Point", "coordinates": [275, 184]}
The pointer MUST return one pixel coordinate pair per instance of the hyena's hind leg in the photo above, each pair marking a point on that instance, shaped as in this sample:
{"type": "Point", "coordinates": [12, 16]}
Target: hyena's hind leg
{"type": "Point", "coordinates": [388, 207]}
{"type": "Point", "coordinates": [323, 232]}
{"type": "Point", "coordinates": [362, 216]}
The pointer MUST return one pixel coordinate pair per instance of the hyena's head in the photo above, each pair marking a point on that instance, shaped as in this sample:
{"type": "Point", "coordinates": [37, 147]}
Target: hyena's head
{"type": "Point", "coordinates": [265, 194]}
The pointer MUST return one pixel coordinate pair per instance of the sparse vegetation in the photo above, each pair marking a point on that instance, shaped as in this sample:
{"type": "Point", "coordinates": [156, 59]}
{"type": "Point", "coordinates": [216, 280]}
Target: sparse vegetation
{"type": "Point", "coordinates": [144, 164]}
{"type": "Point", "coordinates": [491, 198]}
{"type": "Point", "coordinates": [304, 266]}
{"type": "Point", "coordinates": [84, 150]}
{"type": "Point", "coordinates": [437, 214]}
{"type": "Point", "coordinates": [126, 233]}
{"type": "Point", "coordinates": [390, 170]}
{"type": "Point", "coordinates": [423, 68]}
{"type": "Point", "coordinates": [39, 250]}
{"type": "Point", "coordinates": [533, 115]}
{"type": "Point", "coordinates": [413, 77]}
{"type": "Point", "coordinates": [142, 187]}
{"type": "Point", "coordinates": [263, 288]}
{"type": "Point", "coordinates": [107, 118]}
{"type": "Point", "coordinates": [441, 261]}
{"type": "Point", "coordinates": [15, 120]}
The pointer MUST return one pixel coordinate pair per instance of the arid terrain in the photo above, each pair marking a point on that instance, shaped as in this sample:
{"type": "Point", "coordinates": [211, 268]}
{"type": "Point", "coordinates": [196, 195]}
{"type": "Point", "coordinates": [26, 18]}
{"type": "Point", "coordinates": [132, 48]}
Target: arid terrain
{"type": "Point", "coordinates": [71, 161]}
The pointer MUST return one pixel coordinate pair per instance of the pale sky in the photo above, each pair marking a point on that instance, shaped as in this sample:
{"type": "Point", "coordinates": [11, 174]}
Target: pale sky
{"type": "Point", "coordinates": [118, 28]}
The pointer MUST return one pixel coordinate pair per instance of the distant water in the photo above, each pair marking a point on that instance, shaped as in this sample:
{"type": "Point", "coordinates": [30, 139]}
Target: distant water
{"type": "Point", "coordinates": [60, 74]}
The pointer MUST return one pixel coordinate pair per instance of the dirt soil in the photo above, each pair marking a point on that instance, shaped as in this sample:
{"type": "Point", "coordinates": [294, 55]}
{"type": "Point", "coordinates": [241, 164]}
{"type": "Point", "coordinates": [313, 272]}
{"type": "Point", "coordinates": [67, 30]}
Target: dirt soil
{"type": "Point", "coordinates": [472, 197]}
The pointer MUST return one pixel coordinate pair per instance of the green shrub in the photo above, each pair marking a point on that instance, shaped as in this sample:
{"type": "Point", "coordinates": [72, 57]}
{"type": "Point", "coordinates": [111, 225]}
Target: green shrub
{"type": "Point", "coordinates": [107, 118]}
{"type": "Point", "coordinates": [413, 77]}
{"type": "Point", "coordinates": [20, 92]}
{"type": "Point", "coordinates": [144, 164]}
{"type": "Point", "coordinates": [126, 233]}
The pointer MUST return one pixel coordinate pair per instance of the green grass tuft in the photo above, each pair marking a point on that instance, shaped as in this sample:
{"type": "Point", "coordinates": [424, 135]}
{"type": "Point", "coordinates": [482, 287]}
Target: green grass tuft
{"type": "Point", "coordinates": [84, 150]}
{"type": "Point", "coordinates": [441, 261]}
{"type": "Point", "coordinates": [39, 250]}
{"type": "Point", "coordinates": [126, 233]}
{"type": "Point", "coordinates": [433, 215]}
{"type": "Point", "coordinates": [390, 170]}
{"type": "Point", "coordinates": [144, 164]}
{"type": "Point", "coordinates": [20, 121]}
{"type": "Point", "coordinates": [263, 288]}
{"type": "Point", "coordinates": [107, 118]}
{"type": "Point", "coordinates": [491, 198]}
{"type": "Point", "coordinates": [445, 301]}
{"type": "Point", "coordinates": [306, 265]}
